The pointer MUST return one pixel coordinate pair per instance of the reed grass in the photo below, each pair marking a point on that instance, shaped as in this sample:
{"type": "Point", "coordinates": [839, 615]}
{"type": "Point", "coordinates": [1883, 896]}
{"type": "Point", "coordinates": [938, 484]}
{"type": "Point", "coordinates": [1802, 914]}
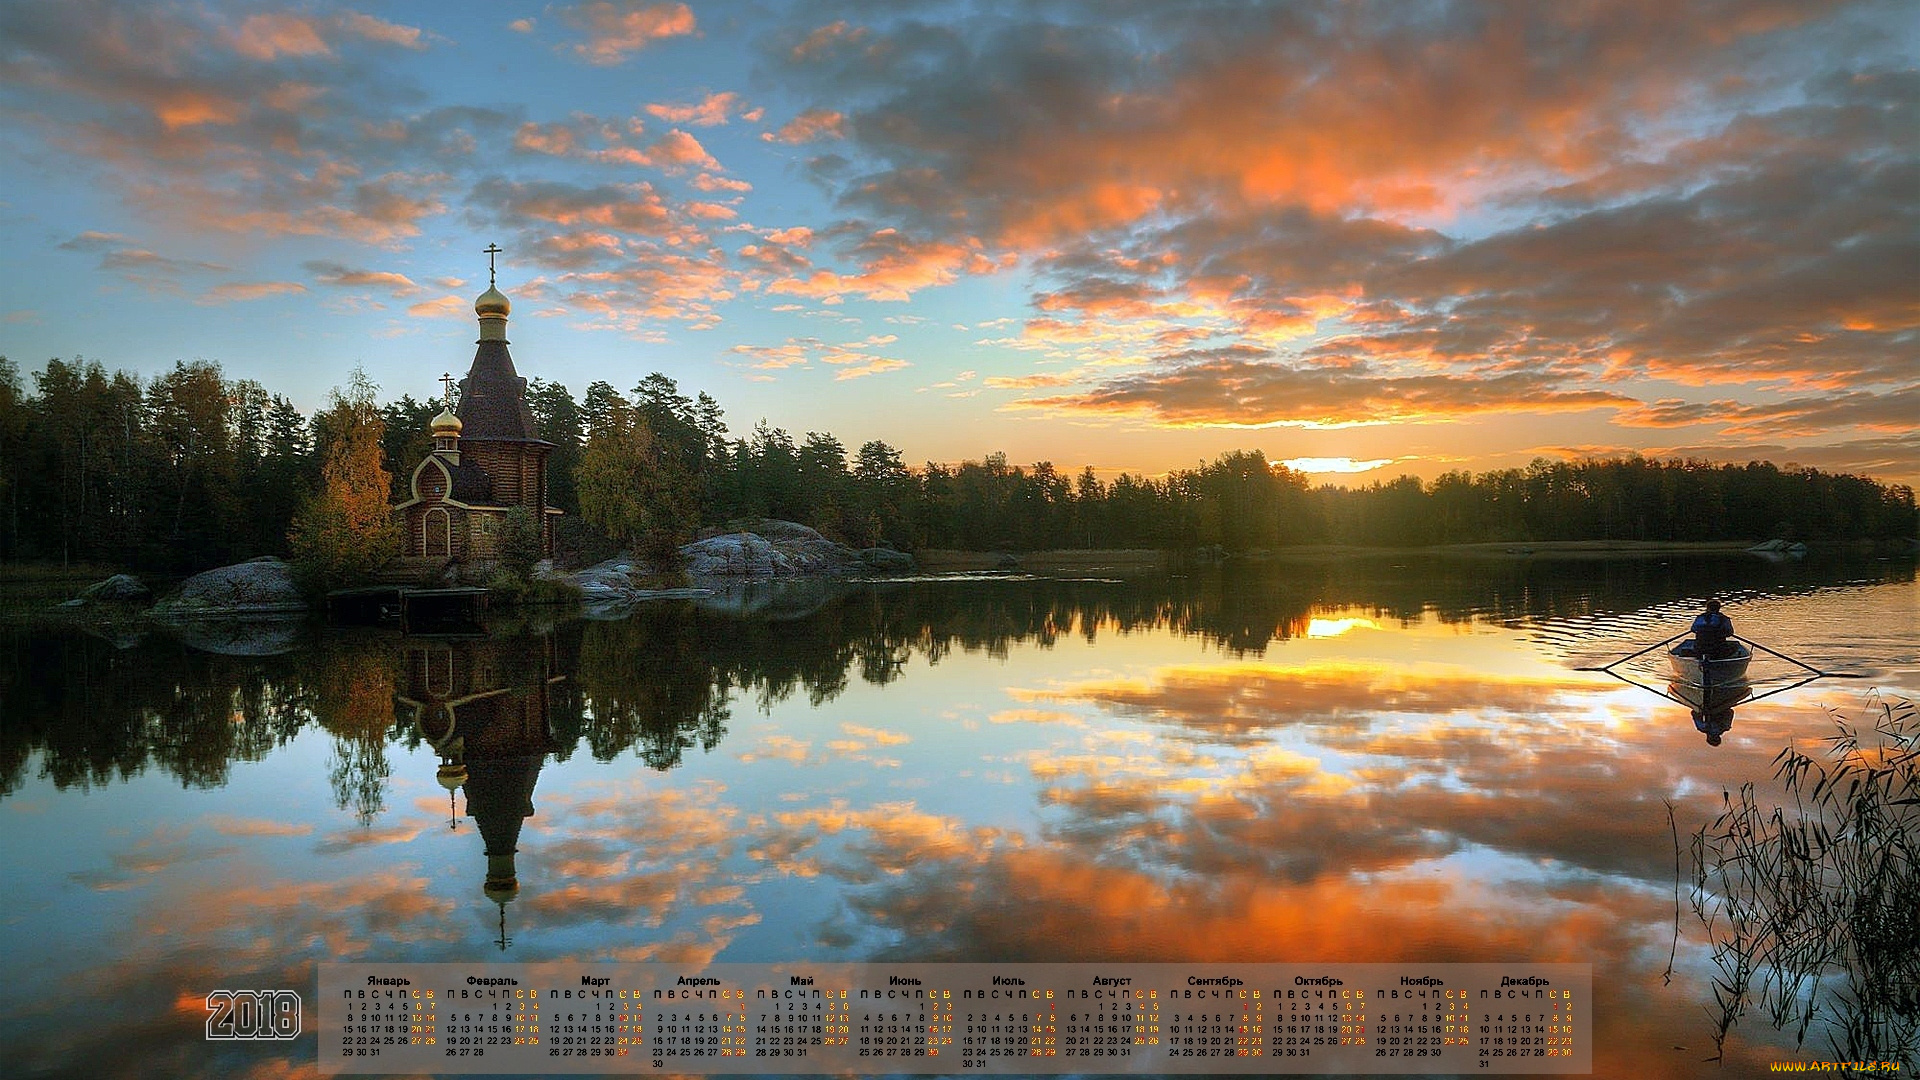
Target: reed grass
{"type": "Point", "coordinates": [1813, 909]}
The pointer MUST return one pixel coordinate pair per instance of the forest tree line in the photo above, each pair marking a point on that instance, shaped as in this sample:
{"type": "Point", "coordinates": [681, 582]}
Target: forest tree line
{"type": "Point", "coordinates": [190, 469]}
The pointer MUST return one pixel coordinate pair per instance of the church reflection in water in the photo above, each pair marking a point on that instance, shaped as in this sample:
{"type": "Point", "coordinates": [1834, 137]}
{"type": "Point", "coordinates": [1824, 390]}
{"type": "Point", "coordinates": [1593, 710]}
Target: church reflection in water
{"type": "Point", "coordinates": [485, 706]}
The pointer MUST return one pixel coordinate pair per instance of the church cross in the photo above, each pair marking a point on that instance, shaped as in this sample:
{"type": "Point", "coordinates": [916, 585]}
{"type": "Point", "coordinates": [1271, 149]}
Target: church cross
{"type": "Point", "coordinates": [447, 381]}
{"type": "Point", "coordinates": [491, 250]}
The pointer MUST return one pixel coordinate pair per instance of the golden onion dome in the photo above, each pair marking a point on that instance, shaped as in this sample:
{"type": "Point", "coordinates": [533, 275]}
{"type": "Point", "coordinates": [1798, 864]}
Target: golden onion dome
{"type": "Point", "coordinates": [492, 302]}
{"type": "Point", "coordinates": [501, 890]}
{"type": "Point", "coordinates": [451, 776]}
{"type": "Point", "coordinates": [447, 422]}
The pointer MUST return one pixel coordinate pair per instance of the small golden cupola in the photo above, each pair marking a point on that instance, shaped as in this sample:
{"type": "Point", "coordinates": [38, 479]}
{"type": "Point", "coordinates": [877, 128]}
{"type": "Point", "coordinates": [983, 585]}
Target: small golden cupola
{"type": "Point", "coordinates": [446, 434]}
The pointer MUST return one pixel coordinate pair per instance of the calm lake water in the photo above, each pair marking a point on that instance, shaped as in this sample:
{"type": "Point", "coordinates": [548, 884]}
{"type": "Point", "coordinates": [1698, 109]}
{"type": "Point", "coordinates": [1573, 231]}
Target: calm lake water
{"type": "Point", "coordinates": [1353, 760]}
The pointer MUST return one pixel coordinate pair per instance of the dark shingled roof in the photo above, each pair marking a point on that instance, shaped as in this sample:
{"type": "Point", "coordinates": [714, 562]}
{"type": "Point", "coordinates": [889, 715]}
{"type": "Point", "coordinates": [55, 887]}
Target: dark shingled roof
{"type": "Point", "coordinates": [471, 484]}
{"type": "Point", "coordinates": [493, 399]}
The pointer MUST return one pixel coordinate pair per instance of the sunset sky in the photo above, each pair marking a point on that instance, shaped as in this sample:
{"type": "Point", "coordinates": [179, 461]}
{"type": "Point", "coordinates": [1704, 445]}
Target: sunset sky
{"type": "Point", "coordinates": [1420, 236]}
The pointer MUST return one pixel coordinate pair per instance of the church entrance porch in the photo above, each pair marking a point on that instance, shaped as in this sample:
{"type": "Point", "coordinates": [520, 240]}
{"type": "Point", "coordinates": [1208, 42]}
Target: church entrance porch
{"type": "Point", "coordinates": [437, 527]}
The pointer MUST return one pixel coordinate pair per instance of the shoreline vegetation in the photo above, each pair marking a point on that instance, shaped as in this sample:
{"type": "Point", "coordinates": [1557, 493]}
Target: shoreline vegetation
{"type": "Point", "coordinates": [191, 470]}
{"type": "Point", "coordinates": [43, 591]}
{"type": "Point", "coordinates": [1812, 906]}
{"type": "Point", "coordinates": [937, 560]}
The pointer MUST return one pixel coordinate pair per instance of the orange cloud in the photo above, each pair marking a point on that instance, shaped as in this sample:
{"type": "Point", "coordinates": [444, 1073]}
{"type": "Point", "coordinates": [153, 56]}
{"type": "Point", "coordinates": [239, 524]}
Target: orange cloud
{"type": "Point", "coordinates": [808, 126]}
{"type": "Point", "coordinates": [774, 357]}
{"type": "Point", "coordinates": [1454, 200]}
{"type": "Point", "coordinates": [874, 366]}
{"type": "Point", "coordinates": [272, 34]}
{"type": "Point", "coordinates": [652, 282]}
{"type": "Point", "coordinates": [1895, 456]}
{"type": "Point", "coordinates": [615, 28]}
{"type": "Point", "coordinates": [187, 108]}
{"type": "Point", "coordinates": [893, 267]}
{"type": "Point", "coordinates": [677, 148]}
{"type": "Point", "coordinates": [709, 182]}
{"type": "Point", "coordinates": [153, 270]}
{"type": "Point", "coordinates": [268, 36]}
{"type": "Point", "coordinates": [560, 140]}
{"type": "Point", "coordinates": [854, 360]}
{"type": "Point", "coordinates": [332, 273]}
{"type": "Point", "coordinates": [325, 202]}
{"type": "Point", "coordinates": [707, 112]}
{"type": "Point", "coordinates": [1889, 411]}
{"type": "Point", "coordinates": [258, 290]}
{"type": "Point", "coordinates": [1028, 382]}
{"type": "Point", "coordinates": [631, 208]}
{"type": "Point", "coordinates": [382, 31]}
{"type": "Point", "coordinates": [1238, 387]}
{"type": "Point", "coordinates": [824, 37]}
{"type": "Point", "coordinates": [440, 308]}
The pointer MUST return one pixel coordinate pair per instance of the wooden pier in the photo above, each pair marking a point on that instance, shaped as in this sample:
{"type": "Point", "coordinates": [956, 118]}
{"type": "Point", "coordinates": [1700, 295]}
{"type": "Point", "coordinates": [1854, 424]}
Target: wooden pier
{"type": "Point", "coordinates": [415, 608]}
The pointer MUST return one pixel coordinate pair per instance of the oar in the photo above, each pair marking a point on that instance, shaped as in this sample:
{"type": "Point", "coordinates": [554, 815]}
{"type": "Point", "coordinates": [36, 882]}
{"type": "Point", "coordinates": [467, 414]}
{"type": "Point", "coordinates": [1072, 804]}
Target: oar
{"type": "Point", "coordinates": [1808, 667]}
{"type": "Point", "coordinates": [1641, 685]}
{"type": "Point", "coordinates": [1642, 652]}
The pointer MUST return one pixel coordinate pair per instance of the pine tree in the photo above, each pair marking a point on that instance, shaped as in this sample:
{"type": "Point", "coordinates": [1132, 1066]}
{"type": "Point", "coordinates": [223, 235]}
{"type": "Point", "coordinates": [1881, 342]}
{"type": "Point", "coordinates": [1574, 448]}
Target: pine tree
{"type": "Point", "coordinates": [557, 419]}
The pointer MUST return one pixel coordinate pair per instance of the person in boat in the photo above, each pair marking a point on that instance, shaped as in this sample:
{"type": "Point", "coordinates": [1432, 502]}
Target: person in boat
{"type": "Point", "coordinates": [1713, 724]}
{"type": "Point", "coordinates": [1711, 633]}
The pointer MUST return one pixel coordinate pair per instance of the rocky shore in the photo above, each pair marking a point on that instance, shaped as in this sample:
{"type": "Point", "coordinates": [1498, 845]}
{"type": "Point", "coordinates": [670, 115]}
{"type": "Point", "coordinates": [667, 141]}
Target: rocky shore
{"type": "Point", "coordinates": [767, 551]}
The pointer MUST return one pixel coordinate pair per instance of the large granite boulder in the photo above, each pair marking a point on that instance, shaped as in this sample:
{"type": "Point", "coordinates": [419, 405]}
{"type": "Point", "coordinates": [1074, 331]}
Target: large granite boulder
{"type": "Point", "coordinates": [609, 582]}
{"type": "Point", "coordinates": [772, 549]}
{"type": "Point", "coordinates": [261, 587]}
{"type": "Point", "coordinates": [741, 554]}
{"type": "Point", "coordinates": [123, 590]}
{"type": "Point", "coordinates": [608, 587]}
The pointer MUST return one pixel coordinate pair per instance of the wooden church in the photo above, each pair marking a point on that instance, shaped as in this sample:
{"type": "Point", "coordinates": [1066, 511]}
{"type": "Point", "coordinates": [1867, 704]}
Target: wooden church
{"type": "Point", "coordinates": [487, 457]}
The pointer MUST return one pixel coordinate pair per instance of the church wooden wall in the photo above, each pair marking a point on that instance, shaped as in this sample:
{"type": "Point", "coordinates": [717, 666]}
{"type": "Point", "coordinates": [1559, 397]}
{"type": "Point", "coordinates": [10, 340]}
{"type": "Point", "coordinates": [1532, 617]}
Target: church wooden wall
{"type": "Point", "coordinates": [518, 471]}
{"type": "Point", "coordinates": [502, 464]}
{"type": "Point", "coordinates": [483, 534]}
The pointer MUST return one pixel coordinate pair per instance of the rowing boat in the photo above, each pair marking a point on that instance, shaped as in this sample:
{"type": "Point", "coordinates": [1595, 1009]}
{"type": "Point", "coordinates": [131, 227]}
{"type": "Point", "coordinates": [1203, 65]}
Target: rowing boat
{"type": "Point", "coordinates": [1689, 668]}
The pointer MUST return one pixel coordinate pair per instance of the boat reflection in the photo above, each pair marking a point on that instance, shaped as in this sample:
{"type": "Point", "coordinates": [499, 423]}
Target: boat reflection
{"type": "Point", "coordinates": [1712, 705]}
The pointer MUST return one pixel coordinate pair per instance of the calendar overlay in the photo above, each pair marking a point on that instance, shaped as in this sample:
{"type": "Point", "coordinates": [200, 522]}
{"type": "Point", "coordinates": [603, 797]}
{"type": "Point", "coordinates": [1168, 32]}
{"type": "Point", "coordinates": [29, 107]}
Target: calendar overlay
{"type": "Point", "coordinates": [956, 1018]}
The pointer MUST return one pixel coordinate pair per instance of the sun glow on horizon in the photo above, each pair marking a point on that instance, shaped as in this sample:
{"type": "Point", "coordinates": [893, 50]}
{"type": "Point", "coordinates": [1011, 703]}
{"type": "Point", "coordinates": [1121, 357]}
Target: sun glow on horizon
{"type": "Point", "coordinates": [1326, 628]}
{"type": "Point", "coordinates": [1335, 464]}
